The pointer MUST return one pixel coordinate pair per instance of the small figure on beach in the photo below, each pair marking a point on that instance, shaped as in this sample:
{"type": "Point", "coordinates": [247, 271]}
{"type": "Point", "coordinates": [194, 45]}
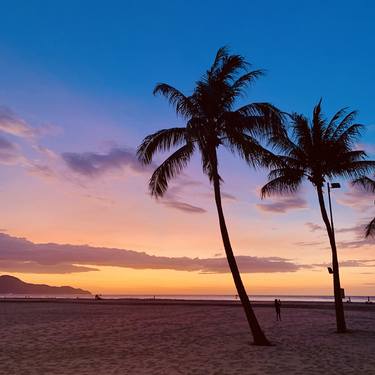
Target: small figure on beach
{"type": "Point", "coordinates": [368, 300]}
{"type": "Point", "coordinates": [349, 300]}
{"type": "Point", "coordinates": [278, 309]}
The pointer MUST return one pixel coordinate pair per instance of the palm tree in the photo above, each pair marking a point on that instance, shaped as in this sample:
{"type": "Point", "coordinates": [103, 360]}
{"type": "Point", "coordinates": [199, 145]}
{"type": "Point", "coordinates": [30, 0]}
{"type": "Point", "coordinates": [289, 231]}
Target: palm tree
{"type": "Point", "coordinates": [211, 122]}
{"type": "Point", "coordinates": [368, 184]}
{"type": "Point", "coordinates": [319, 150]}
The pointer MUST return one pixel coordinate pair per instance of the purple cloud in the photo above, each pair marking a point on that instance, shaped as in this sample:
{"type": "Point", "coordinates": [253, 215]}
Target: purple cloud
{"type": "Point", "coordinates": [283, 205]}
{"type": "Point", "coordinates": [313, 227]}
{"type": "Point", "coordinates": [182, 206]}
{"type": "Point", "coordinates": [12, 124]}
{"type": "Point", "coordinates": [309, 244]}
{"type": "Point", "coordinates": [92, 164]}
{"type": "Point", "coordinates": [21, 255]}
{"type": "Point", "coordinates": [172, 198]}
{"type": "Point", "coordinates": [357, 199]}
{"type": "Point", "coordinates": [9, 152]}
{"type": "Point", "coordinates": [351, 263]}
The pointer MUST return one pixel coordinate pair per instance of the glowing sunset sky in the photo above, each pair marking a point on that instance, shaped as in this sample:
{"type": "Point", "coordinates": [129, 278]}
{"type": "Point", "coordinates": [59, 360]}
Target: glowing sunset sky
{"type": "Point", "coordinates": [76, 85]}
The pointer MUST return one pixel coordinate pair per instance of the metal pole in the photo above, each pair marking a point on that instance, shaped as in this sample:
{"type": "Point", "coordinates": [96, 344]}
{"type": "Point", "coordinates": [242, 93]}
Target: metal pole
{"type": "Point", "coordinates": [330, 210]}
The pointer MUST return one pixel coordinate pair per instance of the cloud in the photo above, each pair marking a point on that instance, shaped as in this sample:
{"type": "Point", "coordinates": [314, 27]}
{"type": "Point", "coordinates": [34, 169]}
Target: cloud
{"type": "Point", "coordinates": [351, 263]}
{"type": "Point", "coordinates": [313, 227]}
{"type": "Point", "coordinates": [283, 205]}
{"type": "Point", "coordinates": [356, 198]}
{"type": "Point", "coordinates": [35, 267]}
{"type": "Point", "coordinates": [308, 244]}
{"type": "Point", "coordinates": [172, 198]}
{"type": "Point", "coordinates": [182, 206]}
{"type": "Point", "coordinates": [21, 255]}
{"type": "Point", "coordinates": [359, 237]}
{"type": "Point", "coordinates": [12, 124]}
{"type": "Point", "coordinates": [41, 170]}
{"type": "Point", "coordinates": [224, 196]}
{"type": "Point", "coordinates": [92, 164]}
{"type": "Point", "coordinates": [357, 230]}
{"type": "Point", "coordinates": [357, 243]}
{"type": "Point", "coordinates": [9, 152]}
{"type": "Point", "coordinates": [228, 196]}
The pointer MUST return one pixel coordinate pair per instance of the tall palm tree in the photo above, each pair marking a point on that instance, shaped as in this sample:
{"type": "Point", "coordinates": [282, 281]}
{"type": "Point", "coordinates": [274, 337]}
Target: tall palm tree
{"type": "Point", "coordinates": [319, 150]}
{"type": "Point", "coordinates": [211, 122]}
{"type": "Point", "coordinates": [368, 184]}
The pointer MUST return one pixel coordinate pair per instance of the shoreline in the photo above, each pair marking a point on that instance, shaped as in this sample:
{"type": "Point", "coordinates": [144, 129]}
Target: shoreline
{"type": "Point", "coordinates": [328, 305]}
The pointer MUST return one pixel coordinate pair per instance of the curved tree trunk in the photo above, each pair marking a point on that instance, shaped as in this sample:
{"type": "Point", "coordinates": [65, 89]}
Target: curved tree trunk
{"type": "Point", "coordinates": [340, 317]}
{"type": "Point", "coordinates": [258, 335]}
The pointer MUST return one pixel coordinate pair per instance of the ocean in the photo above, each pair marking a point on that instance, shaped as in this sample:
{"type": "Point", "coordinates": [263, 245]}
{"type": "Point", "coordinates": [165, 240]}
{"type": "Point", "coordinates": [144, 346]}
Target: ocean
{"type": "Point", "coordinates": [203, 297]}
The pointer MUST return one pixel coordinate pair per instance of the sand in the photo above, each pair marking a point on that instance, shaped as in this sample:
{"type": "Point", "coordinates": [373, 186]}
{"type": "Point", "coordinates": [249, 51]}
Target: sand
{"type": "Point", "coordinates": [165, 338]}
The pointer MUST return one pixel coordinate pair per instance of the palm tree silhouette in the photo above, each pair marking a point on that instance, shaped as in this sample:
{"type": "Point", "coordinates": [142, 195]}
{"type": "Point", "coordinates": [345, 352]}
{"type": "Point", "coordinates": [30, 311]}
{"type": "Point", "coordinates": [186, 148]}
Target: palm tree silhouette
{"type": "Point", "coordinates": [319, 150]}
{"type": "Point", "coordinates": [368, 184]}
{"type": "Point", "coordinates": [211, 122]}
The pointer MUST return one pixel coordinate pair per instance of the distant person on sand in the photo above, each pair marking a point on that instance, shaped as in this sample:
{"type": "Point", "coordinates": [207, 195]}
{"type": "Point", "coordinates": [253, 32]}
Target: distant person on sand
{"type": "Point", "coordinates": [278, 309]}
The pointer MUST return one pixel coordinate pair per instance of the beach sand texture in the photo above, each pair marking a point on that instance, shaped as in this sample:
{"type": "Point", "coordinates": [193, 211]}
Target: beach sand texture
{"type": "Point", "coordinates": [99, 338]}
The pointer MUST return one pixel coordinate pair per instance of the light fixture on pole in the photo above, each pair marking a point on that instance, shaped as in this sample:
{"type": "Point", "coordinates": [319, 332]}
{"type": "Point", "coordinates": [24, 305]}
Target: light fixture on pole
{"type": "Point", "coordinates": [332, 185]}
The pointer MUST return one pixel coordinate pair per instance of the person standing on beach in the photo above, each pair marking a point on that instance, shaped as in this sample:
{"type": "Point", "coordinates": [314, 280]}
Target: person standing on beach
{"type": "Point", "coordinates": [278, 309]}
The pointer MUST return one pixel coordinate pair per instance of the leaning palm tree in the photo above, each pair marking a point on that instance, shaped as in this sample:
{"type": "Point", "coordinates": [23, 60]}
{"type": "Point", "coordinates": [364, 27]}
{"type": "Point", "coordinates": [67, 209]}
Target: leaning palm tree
{"type": "Point", "coordinates": [211, 122]}
{"type": "Point", "coordinates": [319, 150]}
{"type": "Point", "coordinates": [369, 185]}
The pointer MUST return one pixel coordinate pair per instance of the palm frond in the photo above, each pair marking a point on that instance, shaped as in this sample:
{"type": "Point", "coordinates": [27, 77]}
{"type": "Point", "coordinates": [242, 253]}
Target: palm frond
{"type": "Point", "coordinates": [301, 131]}
{"type": "Point", "coordinates": [366, 183]}
{"type": "Point", "coordinates": [370, 228]}
{"type": "Point", "coordinates": [333, 123]}
{"type": "Point", "coordinates": [318, 123]}
{"type": "Point", "coordinates": [287, 181]}
{"type": "Point", "coordinates": [221, 53]}
{"type": "Point", "coordinates": [245, 80]}
{"type": "Point", "coordinates": [170, 168]}
{"type": "Point", "coordinates": [264, 120]}
{"type": "Point", "coordinates": [352, 170]}
{"type": "Point", "coordinates": [182, 104]}
{"type": "Point", "coordinates": [162, 140]}
{"type": "Point", "coordinates": [249, 149]}
{"type": "Point", "coordinates": [350, 135]}
{"type": "Point", "coordinates": [231, 64]}
{"type": "Point", "coordinates": [344, 124]}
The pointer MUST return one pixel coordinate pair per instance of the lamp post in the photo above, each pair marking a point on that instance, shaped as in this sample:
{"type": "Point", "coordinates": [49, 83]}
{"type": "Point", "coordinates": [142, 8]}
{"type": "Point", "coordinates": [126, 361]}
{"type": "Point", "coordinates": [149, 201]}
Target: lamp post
{"type": "Point", "coordinates": [333, 185]}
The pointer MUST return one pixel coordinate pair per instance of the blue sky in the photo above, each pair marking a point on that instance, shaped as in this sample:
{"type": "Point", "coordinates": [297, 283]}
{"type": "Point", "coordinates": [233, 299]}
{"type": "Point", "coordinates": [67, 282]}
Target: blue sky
{"type": "Point", "coordinates": [83, 73]}
{"type": "Point", "coordinates": [121, 49]}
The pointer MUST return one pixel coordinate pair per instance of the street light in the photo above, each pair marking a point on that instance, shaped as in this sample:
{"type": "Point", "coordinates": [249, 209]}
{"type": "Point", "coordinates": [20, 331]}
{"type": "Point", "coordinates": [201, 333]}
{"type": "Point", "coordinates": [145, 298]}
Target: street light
{"type": "Point", "coordinates": [332, 185]}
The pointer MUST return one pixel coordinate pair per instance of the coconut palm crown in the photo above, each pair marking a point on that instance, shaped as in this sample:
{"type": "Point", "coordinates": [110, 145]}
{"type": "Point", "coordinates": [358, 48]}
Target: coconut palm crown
{"type": "Point", "coordinates": [319, 150]}
{"type": "Point", "coordinates": [369, 185]}
{"type": "Point", "coordinates": [212, 121]}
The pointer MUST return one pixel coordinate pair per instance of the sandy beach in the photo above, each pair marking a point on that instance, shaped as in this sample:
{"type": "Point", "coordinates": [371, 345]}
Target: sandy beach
{"type": "Point", "coordinates": [173, 337]}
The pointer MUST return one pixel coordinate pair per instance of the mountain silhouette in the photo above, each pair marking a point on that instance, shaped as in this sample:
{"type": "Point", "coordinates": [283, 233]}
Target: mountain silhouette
{"type": "Point", "coordinates": [12, 285]}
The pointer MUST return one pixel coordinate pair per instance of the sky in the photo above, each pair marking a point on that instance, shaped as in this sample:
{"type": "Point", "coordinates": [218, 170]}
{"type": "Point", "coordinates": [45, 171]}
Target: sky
{"type": "Point", "coordinates": [76, 81]}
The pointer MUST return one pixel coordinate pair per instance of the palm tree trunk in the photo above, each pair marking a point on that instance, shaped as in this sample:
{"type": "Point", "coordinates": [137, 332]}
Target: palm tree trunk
{"type": "Point", "coordinates": [340, 317]}
{"type": "Point", "coordinates": [258, 335]}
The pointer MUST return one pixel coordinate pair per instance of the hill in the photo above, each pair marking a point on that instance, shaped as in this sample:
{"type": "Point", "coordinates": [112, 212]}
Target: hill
{"type": "Point", "coordinates": [12, 285]}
